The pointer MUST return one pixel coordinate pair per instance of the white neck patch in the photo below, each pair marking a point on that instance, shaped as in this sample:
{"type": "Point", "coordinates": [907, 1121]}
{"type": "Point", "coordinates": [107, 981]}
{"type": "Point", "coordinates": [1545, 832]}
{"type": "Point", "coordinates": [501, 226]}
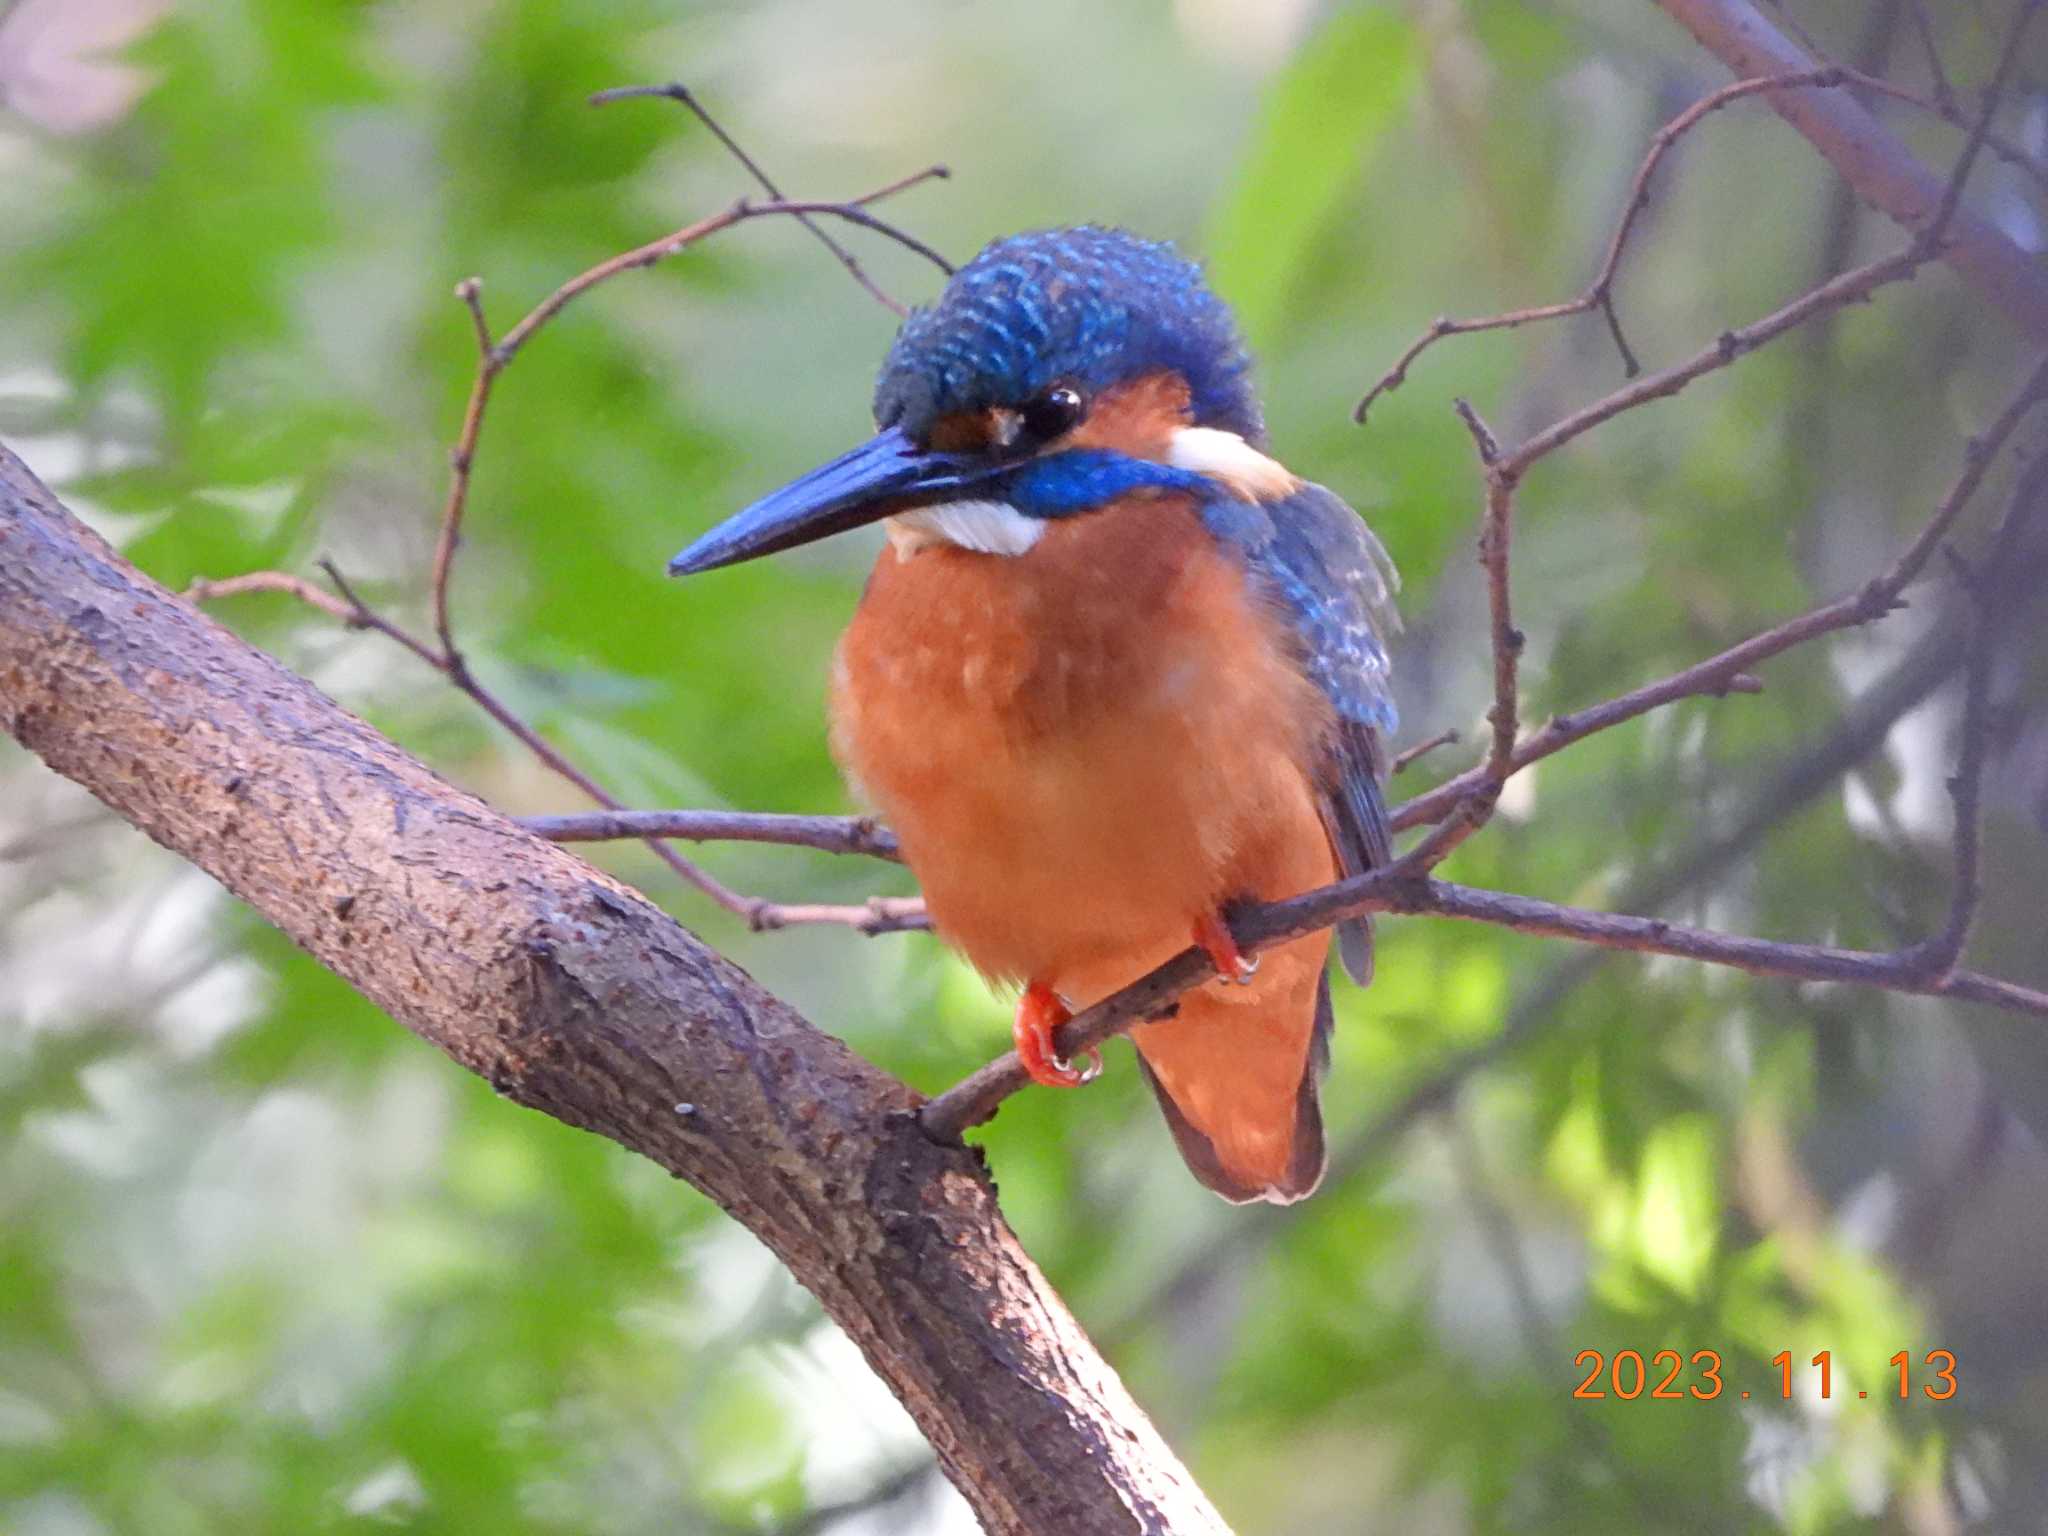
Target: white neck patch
{"type": "Point", "coordinates": [986, 527]}
{"type": "Point", "coordinates": [1227, 457]}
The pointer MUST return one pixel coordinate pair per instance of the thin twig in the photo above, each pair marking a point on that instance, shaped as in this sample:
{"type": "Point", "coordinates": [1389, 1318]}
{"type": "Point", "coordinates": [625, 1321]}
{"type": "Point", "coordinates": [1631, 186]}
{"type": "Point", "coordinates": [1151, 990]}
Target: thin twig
{"type": "Point", "coordinates": [875, 916]}
{"type": "Point", "coordinates": [211, 589]}
{"type": "Point", "coordinates": [2001, 76]}
{"type": "Point", "coordinates": [460, 462]}
{"type": "Point", "coordinates": [358, 614]}
{"type": "Point", "coordinates": [1422, 749]}
{"type": "Point", "coordinates": [1719, 674]}
{"type": "Point", "coordinates": [827, 834]}
{"type": "Point", "coordinates": [1851, 287]}
{"type": "Point", "coordinates": [1944, 93]}
{"type": "Point", "coordinates": [1396, 889]}
{"type": "Point", "coordinates": [1992, 611]}
{"type": "Point", "coordinates": [1496, 534]}
{"type": "Point", "coordinates": [1599, 294]}
{"type": "Point", "coordinates": [1781, 792]}
{"type": "Point", "coordinates": [1999, 144]}
{"type": "Point", "coordinates": [676, 91]}
{"type": "Point", "coordinates": [879, 915]}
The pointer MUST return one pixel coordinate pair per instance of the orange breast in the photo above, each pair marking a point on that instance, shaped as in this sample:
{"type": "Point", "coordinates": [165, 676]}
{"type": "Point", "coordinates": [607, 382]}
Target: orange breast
{"type": "Point", "coordinates": [1084, 746]}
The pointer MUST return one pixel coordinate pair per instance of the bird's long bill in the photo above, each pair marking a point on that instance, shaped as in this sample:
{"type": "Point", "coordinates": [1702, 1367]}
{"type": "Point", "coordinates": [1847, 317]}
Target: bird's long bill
{"type": "Point", "coordinates": [883, 474]}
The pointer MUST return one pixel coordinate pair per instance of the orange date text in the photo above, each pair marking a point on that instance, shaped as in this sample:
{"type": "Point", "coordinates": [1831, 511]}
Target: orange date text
{"type": "Point", "coordinates": [1668, 1375]}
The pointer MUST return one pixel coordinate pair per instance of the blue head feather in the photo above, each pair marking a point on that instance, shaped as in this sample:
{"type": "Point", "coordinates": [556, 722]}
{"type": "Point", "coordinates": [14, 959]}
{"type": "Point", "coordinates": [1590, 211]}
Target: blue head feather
{"type": "Point", "coordinates": [1090, 306]}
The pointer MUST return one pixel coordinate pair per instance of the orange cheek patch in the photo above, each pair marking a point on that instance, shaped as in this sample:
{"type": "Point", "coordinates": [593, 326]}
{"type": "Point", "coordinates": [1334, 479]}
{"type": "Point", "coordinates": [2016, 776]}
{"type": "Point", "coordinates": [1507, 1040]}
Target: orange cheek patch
{"type": "Point", "coordinates": [1138, 418]}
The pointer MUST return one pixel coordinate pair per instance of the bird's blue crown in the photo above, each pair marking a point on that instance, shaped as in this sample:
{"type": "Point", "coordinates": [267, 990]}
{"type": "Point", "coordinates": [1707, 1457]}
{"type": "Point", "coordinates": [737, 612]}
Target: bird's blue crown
{"type": "Point", "coordinates": [1089, 306]}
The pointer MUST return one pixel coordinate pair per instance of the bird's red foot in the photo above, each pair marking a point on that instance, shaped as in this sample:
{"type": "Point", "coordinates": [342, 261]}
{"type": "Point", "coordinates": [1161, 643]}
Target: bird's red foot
{"type": "Point", "coordinates": [1039, 1013]}
{"type": "Point", "coordinates": [1212, 935]}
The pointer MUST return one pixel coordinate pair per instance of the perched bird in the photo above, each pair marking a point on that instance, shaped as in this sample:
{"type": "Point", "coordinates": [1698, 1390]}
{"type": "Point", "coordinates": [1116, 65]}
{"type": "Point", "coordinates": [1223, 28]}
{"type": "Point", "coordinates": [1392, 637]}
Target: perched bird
{"type": "Point", "coordinates": [1115, 671]}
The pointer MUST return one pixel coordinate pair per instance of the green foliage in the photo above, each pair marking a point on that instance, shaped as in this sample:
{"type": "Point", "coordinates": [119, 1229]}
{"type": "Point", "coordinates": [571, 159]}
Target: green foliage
{"type": "Point", "coordinates": [1328, 111]}
{"type": "Point", "coordinates": [266, 1265]}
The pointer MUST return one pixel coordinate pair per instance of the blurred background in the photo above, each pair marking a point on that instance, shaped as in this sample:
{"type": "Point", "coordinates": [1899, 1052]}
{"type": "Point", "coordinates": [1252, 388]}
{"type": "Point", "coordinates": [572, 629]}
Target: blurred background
{"type": "Point", "coordinates": [269, 1264]}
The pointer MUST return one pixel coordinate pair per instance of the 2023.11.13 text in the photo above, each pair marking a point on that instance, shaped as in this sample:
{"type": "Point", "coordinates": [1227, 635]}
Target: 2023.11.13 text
{"type": "Point", "coordinates": [1668, 1375]}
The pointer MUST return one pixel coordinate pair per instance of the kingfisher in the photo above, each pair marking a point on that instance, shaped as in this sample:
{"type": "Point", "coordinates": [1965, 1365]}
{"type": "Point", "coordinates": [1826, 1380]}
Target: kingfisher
{"type": "Point", "coordinates": [1116, 671]}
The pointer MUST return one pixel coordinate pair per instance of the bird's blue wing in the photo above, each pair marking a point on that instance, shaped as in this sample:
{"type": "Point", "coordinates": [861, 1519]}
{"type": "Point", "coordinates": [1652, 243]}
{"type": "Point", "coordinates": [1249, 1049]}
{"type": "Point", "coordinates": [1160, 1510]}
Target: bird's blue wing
{"type": "Point", "coordinates": [1320, 565]}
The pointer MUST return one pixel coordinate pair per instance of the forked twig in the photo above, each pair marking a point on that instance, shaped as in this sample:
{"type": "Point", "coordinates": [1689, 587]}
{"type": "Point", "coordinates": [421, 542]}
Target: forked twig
{"type": "Point", "coordinates": [676, 91]}
{"type": "Point", "coordinates": [494, 355]}
{"type": "Point", "coordinates": [1599, 294]}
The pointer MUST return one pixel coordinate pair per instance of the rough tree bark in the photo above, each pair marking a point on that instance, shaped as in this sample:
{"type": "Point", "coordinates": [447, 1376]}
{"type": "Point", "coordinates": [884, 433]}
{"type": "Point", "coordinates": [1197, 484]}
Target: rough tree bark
{"type": "Point", "coordinates": [574, 995]}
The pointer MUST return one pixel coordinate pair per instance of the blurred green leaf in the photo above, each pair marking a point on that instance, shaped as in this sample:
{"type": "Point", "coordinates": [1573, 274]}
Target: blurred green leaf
{"type": "Point", "coordinates": [1325, 115]}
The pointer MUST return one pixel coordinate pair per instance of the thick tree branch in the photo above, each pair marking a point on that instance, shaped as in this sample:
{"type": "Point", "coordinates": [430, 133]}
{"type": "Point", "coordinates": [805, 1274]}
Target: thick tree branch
{"type": "Point", "coordinates": [574, 995]}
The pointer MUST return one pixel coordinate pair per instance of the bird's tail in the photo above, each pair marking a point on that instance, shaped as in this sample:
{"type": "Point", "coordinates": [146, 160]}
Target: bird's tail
{"type": "Point", "coordinates": [1237, 1074]}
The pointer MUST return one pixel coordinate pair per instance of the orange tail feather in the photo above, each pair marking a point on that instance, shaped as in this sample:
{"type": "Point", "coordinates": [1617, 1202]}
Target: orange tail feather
{"type": "Point", "coordinates": [1237, 1078]}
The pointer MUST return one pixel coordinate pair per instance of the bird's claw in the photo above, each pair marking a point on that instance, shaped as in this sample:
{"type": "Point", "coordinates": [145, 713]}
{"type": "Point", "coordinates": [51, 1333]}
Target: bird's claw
{"type": "Point", "coordinates": [1213, 937]}
{"type": "Point", "coordinates": [1039, 1013]}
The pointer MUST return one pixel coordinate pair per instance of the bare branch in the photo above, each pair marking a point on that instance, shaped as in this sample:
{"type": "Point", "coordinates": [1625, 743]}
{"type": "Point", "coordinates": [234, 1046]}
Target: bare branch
{"type": "Point", "coordinates": [1422, 749]}
{"type": "Point", "coordinates": [879, 915]}
{"type": "Point", "coordinates": [875, 916]}
{"type": "Point", "coordinates": [1599, 294]}
{"type": "Point", "coordinates": [676, 91]}
{"type": "Point", "coordinates": [207, 590]}
{"type": "Point", "coordinates": [1944, 93]}
{"type": "Point", "coordinates": [1475, 807]}
{"type": "Point", "coordinates": [828, 834]}
{"type": "Point", "coordinates": [1397, 889]}
{"type": "Point", "coordinates": [1883, 170]}
{"type": "Point", "coordinates": [1851, 287]}
{"type": "Point", "coordinates": [1993, 611]}
{"type": "Point", "coordinates": [1719, 674]}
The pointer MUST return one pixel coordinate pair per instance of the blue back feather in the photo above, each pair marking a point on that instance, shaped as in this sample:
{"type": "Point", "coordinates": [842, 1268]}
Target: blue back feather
{"type": "Point", "coordinates": [1316, 560]}
{"type": "Point", "coordinates": [1334, 581]}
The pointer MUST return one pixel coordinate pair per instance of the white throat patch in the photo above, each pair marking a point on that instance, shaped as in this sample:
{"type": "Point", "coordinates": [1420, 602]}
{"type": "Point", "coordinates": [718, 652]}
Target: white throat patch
{"type": "Point", "coordinates": [1227, 457]}
{"type": "Point", "coordinates": [986, 527]}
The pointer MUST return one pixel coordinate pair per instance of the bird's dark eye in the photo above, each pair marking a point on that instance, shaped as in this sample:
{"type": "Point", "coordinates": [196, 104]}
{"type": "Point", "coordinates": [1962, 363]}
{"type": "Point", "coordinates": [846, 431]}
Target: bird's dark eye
{"type": "Point", "coordinates": [1052, 414]}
